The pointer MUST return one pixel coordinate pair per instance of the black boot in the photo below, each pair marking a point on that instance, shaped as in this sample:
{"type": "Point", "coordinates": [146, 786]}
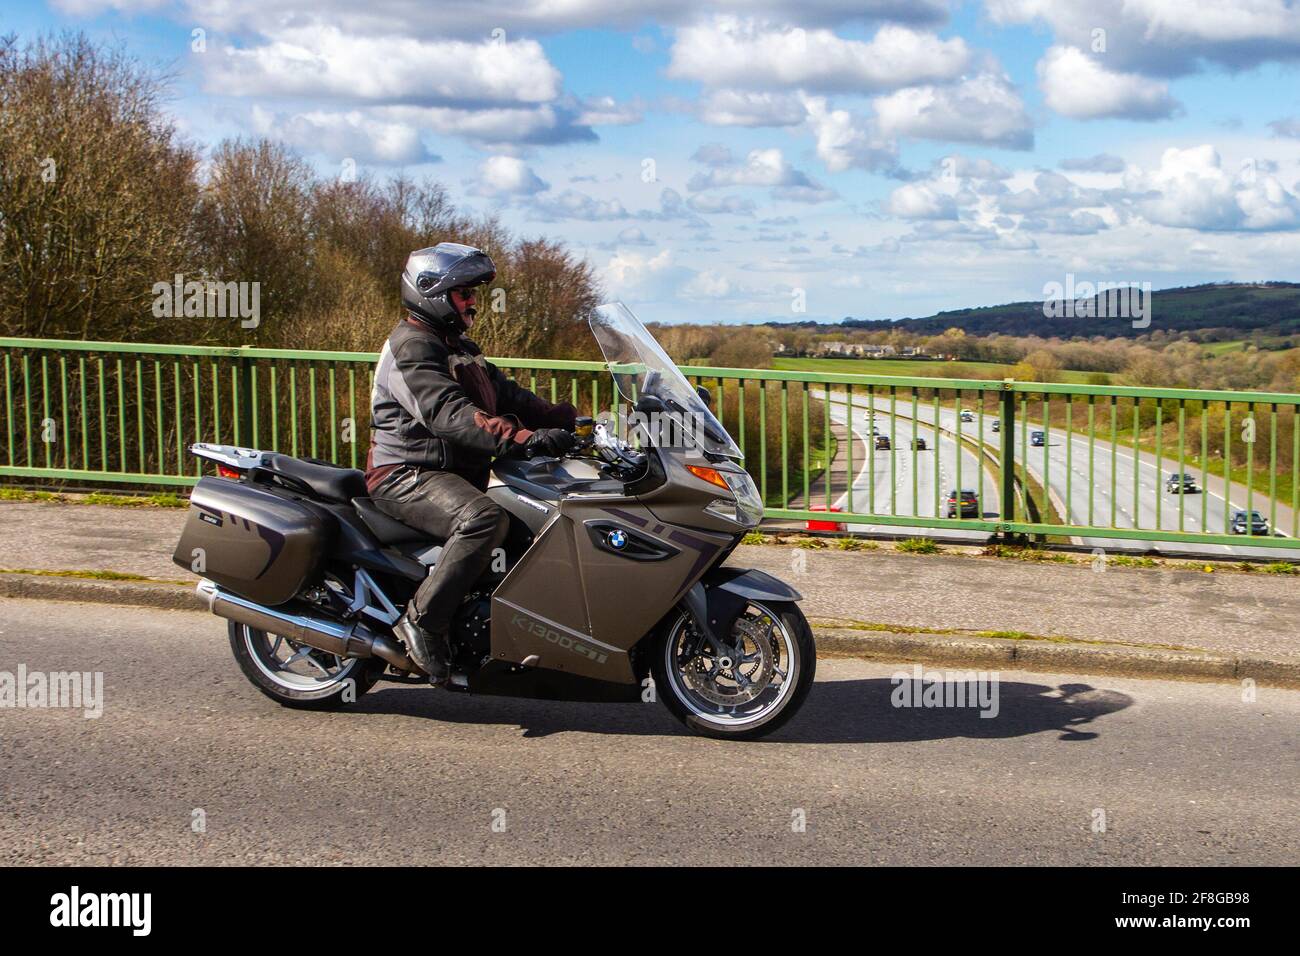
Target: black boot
{"type": "Point", "coordinates": [429, 651]}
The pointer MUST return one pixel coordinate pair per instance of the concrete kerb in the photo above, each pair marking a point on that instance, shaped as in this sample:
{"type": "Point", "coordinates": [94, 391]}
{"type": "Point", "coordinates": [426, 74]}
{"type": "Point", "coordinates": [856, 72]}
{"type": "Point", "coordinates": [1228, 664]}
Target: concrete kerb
{"type": "Point", "coordinates": [948, 650]}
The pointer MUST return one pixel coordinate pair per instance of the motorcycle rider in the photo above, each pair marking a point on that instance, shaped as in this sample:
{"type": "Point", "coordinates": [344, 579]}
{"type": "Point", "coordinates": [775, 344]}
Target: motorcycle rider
{"type": "Point", "coordinates": [439, 413]}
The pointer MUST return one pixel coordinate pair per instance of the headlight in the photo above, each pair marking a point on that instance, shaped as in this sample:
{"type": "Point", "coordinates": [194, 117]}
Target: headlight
{"type": "Point", "coordinates": [748, 505]}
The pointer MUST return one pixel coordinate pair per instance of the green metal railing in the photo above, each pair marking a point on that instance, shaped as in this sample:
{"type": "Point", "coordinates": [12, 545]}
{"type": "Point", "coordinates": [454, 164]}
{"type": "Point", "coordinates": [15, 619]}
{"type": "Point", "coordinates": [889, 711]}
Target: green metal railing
{"type": "Point", "coordinates": [122, 413]}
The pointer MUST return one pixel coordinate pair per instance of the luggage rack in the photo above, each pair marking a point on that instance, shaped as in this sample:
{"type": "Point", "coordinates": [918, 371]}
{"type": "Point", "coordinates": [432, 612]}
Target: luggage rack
{"type": "Point", "coordinates": [232, 456]}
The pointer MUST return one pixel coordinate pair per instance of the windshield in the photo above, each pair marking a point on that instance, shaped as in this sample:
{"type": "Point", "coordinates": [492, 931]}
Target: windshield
{"type": "Point", "coordinates": [640, 368]}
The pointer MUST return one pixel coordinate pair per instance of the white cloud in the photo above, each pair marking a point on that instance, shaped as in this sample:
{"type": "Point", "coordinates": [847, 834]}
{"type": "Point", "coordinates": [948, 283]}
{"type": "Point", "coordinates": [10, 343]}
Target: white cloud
{"type": "Point", "coordinates": [1069, 224]}
{"type": "Point", "coordinates": [1190, 189]}
{"type": "Point", "coordinates": [325, 62]}
{"type": "Point", "coordinates": [633, 236]}
{"type": "Point", "coordinates": [762, 167]}
{"type": "Point", "coordinates": [1051, 192]}
{"type": "Point", "coordinates": [921, 201]}
{"type": "Point", "coordinates": [958, 166]}
{"type": "Point", "coordinates": [90, 8]}
{"type": "Point", "coordinates": [516, 17]}
{"type": "Point", "coordinates": [642, 276]}
{"type": "Point", "coordinates": [712, 205]}
{"type": "Point", "coordinates": [572, 204]}
{"type": "Point", "coordinates": [845, 141]}
{"type": "Point", "coordinates": [498, 127]}
{"type": "Point", "coordinates": [983, 109]}
{"type": "Point", "coordinates": [1287, 126]}
{"type": "Point", "coordinates": [747, 53]}
{"type": "Point", "coordinates": [1101, 163]}
{"type": "Point", "coordinates": [714, 154]}
{"type": "Point", "coordinates": [501, 176]}
{"type": "Point", "coordinates": [1167, 37]}
{"type": "Point", "coordinates": [606, 111]}
{"type": "Point", "coordinates": [1077, 85]}
{"type": "Point", "coordinates": [350, 135]}
{"type": "Point", "coordinates": [749, 108]}
{"type": "Point", "coordinates": [810, 193]}
{"type": "Point", "coordinates": [707, 285]}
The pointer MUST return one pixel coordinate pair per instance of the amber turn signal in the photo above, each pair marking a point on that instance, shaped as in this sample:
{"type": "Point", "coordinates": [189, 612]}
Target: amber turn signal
{"type": "Point", "coordinates": [710, 475]}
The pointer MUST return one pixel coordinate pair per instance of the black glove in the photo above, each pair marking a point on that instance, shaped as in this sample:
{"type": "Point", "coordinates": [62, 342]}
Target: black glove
{"type": "Point", "coordinates": [552, 442]}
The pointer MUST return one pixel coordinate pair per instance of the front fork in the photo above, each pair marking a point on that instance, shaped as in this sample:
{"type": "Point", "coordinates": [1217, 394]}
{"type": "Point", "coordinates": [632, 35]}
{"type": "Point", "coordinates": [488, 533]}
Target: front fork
{"type": "Point", "coordinates": [697, 606]}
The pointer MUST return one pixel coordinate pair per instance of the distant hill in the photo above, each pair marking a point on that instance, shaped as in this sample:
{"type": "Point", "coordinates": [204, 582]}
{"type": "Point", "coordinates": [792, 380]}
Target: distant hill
{"type": "Point", "coordinates": [1238, 309]}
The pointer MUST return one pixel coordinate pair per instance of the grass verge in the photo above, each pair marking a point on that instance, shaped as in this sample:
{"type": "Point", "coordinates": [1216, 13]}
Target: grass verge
{"type": "Point", "coordinates": [90, 575]}
{"type": "Point", "coordinates": [880, 627]}
{"type": "Point", "coordinates": [159, 499]}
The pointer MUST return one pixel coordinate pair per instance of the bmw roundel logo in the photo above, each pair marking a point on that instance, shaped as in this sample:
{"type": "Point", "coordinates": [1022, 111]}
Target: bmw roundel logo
{"type": "Point", "coordinates": [617, 539]}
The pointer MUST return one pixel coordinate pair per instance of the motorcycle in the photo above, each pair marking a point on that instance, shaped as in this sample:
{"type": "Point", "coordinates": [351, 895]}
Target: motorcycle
{"type": "Point", "coordinates": [610, 584]}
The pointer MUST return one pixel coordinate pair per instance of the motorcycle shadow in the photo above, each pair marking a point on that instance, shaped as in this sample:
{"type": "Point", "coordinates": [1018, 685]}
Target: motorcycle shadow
{"type": "Point", "coordinates": [835, 712]}
{"type": "Point", "coordinates": [888, 710]}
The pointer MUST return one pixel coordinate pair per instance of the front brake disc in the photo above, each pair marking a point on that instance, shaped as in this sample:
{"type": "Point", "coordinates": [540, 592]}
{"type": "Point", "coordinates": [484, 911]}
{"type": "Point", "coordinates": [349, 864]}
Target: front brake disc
{"type": "Point", "coordinates": [745, 679]}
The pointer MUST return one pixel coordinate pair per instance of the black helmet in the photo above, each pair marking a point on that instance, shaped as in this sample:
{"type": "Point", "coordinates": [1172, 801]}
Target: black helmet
{"type": "Point", "coordinates": [430, 276]}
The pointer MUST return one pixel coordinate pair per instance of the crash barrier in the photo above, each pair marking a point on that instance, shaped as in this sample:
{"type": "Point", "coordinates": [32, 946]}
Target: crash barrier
{"type": "Point", "coordinates": [1054, 460]}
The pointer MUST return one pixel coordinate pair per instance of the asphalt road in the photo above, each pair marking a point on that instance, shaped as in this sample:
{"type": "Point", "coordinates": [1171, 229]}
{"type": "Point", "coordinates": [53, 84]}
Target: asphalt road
{"type": "Point", "coordinates": [1183, 773]}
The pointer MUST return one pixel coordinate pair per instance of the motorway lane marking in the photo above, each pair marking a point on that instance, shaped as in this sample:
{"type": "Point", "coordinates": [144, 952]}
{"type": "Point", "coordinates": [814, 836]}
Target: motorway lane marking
{"type": "Point", "coordinates": [869, 413]}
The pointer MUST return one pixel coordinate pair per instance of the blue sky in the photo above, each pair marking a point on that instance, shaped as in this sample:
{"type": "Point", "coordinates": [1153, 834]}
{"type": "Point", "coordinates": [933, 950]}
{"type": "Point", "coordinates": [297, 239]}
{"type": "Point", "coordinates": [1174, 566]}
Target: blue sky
{"type": "Point", "coordinates": [734, 161]}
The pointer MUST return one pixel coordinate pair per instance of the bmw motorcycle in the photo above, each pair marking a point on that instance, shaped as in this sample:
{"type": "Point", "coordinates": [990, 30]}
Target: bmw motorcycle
{"type": "Point", "coordinates": [610, 585]}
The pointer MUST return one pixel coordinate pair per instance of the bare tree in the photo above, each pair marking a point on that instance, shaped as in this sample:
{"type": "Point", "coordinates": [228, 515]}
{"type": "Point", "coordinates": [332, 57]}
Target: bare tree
{"type": "Point", "coordinates": [97, 193]}
{"type": "Point", "coordinates": [253, 225]}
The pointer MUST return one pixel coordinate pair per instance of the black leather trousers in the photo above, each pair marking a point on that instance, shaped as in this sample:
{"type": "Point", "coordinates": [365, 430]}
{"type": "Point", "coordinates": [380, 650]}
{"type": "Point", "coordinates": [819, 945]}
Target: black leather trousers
{"type": "Point", "coordinates": [468, 523]}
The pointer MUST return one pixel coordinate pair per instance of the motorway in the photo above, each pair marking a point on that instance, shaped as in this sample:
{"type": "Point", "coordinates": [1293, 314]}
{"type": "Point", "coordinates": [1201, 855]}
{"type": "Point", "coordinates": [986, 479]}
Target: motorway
{"type": "Point", "coordinates": [189, 764]}
{"type": "Point", "coordinates": [1066, 465]}
{"type": "Point", "coordinates": [907, 483]}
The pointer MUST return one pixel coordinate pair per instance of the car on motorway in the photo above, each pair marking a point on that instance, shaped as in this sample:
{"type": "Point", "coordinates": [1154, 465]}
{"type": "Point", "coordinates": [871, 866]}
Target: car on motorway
{"type": "Point", "coordinates": [970, 503]}
{"type": "Point", "coordinates": [1037, 438]}
{"type": "Point", "coordinates": [882, 443]}
{"type": "Point", "coordinates": [1176, 481]}
{"type": "Point", "coordinates": [997, 424]}
{"type": "Point", "coordinates": [1240, 518]}
{"type": "Point", "coordinates": [967, 415]}
{"type": "Point", "coordinates": [918, 443]}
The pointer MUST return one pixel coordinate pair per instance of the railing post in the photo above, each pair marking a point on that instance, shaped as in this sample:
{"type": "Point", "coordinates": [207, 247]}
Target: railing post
{"type": "Point", "coordinates": [1007, 455]}
{"type": "Point", "coordinates": [244, 400]}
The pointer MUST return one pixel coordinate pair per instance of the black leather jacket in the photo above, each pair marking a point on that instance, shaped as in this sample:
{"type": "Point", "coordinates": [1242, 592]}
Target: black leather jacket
{"type": "Point", "coordinates": [438, 403]}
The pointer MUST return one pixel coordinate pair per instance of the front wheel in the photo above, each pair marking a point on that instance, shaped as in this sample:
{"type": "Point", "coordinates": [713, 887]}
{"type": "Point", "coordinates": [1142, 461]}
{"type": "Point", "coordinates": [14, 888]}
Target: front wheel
{"type": "Point", "coordinates": [748, 690]}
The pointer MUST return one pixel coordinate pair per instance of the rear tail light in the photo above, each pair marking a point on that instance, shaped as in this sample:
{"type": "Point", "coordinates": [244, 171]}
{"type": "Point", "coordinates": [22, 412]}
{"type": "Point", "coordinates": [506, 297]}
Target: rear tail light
{"type": "Point", "coordinates": [225, 472]}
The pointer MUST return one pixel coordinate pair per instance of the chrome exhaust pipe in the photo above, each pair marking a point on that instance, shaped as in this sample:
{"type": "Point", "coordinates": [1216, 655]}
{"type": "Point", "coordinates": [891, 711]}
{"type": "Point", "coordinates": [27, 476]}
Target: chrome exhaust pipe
{"type": "Point", "coordinates": [333, 637]}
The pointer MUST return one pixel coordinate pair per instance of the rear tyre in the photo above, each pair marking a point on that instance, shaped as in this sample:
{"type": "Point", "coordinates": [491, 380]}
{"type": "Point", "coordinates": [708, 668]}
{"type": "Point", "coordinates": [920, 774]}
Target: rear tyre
{"type": "Point", "coordinates": [748, 692]}
{"type": "Point", "coordinates": [297, 676]}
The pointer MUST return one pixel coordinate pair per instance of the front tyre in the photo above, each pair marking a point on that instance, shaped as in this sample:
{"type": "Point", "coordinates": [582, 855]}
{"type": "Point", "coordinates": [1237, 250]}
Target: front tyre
{"type": "Point", "coordinates": [298, 676]}
{"type": "Point", "coordinates": [750, 689]}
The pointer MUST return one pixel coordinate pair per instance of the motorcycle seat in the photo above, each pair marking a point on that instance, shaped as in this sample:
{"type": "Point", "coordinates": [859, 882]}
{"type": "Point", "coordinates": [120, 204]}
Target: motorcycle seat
{"type": "Point", "coordinates": [388, 531]}
{"type": "Point", "coordinates": [331, 482]}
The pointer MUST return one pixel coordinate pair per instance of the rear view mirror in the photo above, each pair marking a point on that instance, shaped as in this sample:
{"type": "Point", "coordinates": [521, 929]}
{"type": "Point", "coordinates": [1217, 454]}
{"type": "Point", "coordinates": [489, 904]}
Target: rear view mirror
{"type": "Point", "coordinates": [705, 395]}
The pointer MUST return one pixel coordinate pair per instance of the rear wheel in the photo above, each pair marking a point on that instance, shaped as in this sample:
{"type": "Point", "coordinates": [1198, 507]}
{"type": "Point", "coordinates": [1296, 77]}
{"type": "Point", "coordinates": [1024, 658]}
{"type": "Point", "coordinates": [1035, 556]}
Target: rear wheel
{"type": "Point", "coordinates": [295, 675]}
{"type": "Point", "coordinates": [752, 687]}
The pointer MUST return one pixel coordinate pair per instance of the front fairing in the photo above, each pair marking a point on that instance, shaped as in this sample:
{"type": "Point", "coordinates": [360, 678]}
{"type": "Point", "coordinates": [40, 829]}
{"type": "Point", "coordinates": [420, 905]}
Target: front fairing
{"type": "Point", "coordinates": [670, 419]}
